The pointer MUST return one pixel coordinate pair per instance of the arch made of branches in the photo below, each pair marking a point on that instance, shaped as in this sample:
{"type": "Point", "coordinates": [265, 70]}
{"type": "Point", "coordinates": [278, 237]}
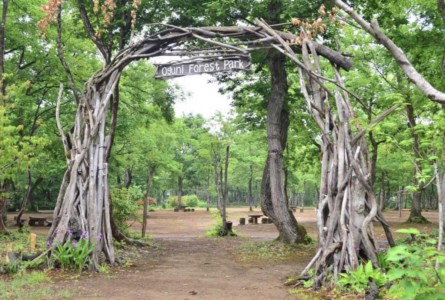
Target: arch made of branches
{"type": "Point", "coordinates": [347, 202]}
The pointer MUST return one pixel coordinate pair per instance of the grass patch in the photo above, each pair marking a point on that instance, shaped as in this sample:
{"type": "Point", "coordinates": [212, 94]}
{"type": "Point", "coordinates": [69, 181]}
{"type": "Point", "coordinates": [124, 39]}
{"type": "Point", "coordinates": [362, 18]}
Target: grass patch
{"type": "Point", "coordinates": [33, 285]}
{"type": "Point", "coordinates": [19, 241]}
{"type": "Point", "coordinates": [274, 252]}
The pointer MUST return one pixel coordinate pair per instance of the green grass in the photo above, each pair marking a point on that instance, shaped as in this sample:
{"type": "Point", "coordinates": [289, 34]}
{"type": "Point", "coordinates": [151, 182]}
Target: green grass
{"type": "Point", "coordinates": [33, 285]}
{"type": "Point", "coordinates": [19, 242]}
{"type": "Point", "coordinates": [273, 252]}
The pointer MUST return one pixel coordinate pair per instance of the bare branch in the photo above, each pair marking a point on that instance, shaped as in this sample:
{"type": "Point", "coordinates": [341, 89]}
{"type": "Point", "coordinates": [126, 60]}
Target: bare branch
{"type": "Point", "coordinates": [413, 75]}
{"type": "Point", "coordinates": [59, 124]}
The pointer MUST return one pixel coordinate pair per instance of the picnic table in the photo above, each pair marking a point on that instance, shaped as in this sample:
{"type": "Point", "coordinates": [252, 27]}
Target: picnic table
{"type": "Point", "coordinates": [36, 221]}
{"type": "Point", "coordinates": [255, 217]}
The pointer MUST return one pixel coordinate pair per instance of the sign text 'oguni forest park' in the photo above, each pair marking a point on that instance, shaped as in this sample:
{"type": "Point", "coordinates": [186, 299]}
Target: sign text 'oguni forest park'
{"type": "Point", "coordinates": [199, 67]}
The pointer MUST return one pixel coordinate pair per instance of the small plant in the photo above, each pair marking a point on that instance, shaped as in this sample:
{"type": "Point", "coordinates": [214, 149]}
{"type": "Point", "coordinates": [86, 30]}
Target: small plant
{"type": "Point", "coordinates": [412, 268]}
{"type": "Point", "coordinates": [104, 268]}
{"type": "Point", "coordinates": [217, 230]}
{"type": "Point", "coordinates": [74, 255]}
{"type": "Point", "coordinates": [358, 280]}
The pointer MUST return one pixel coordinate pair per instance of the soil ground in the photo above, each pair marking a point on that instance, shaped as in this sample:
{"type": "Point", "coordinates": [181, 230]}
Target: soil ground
{"type": "Point", "coordinates": [187, 265]}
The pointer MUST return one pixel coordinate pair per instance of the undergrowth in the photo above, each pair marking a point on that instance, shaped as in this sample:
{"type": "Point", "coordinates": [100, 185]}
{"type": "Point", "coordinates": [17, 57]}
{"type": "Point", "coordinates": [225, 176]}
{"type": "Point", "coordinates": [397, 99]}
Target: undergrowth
{"type": "Point", "coordinates": [31, 285]}
{"type": "Point", "coordinates": [273, 252]}
{"type": "Point", "coordinates": [217, 229]}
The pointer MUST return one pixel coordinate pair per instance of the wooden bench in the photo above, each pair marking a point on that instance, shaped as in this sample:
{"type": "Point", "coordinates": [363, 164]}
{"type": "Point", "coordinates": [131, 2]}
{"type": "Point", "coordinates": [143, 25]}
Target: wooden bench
{"type": "Point", "coordinates": [266, 220]}
{"type": "Point", "coordinates": [36, 221]}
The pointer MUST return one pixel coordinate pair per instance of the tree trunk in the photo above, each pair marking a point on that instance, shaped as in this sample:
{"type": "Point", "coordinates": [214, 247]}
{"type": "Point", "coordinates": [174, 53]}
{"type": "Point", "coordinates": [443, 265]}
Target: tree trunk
{"type": "Point", "coordinates": [2, 50]}
{"type": "Point", "coordinates": [128, 178]}
{"type": "Point", "coordinates": [440, 182]}
{"type": "Point", "coordinates": [382, 193]}
{"type": "Point", "coordinates": [208, 192]}
{"type": "Point", "coordinates": [225, 230]}
{"type": "Point", "coordinates": [150, 175]}
{"type": "Point", "coordinates": [283, 219]}
{"type": "Point", "coordinates": [415, 215]}
{"type": "Point", "coordinates": [180, 192]}
{"type": "Point", "coordinates": [4, 188]}
{"type": "Point", "coordinates": [3, 204]}
{"type": "Point", "coordinates": [3, 216]}
{"type": "Point", "coordinates": [28, 196]}
{"type": "Point", "coordinates": [250, 189]}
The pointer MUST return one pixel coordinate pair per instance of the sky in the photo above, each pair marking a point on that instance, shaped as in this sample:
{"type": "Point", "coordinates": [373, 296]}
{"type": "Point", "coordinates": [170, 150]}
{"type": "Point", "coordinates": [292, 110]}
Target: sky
{"type": "Point", "coordinates": [201, 96]}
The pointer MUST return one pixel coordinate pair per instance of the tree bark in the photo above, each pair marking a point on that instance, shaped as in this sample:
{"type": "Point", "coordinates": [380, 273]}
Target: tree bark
{"type": "Point", "coordinates": [414, 76]}
{"type": "Point", "coordinates": [128, 178]}
{"type": "Point", "coordinates": [180, 179]}
{"type": "Point", "coordinates": [28, 196]}
{"type": "Point", "coordinates": [415, 215]}
{"type": "Point", "coordinates": [3, 206]}
{"type": "Point", "coordinates": [151, 173]}
{"type": "Point", "coordinates": [216, 161]}
{"type": "Point", "coordinates": [283, 219]}
{"type": "Point", "coordinates": [250, 188]}
{"type": "Point", "coordinates": [440, 182]}
{"type": "Point", "coordinates": [225, 189]}
{"type": "Point", "coordinates": [2, 50]}
{"type": "Point", "coordinates": [347, 203]}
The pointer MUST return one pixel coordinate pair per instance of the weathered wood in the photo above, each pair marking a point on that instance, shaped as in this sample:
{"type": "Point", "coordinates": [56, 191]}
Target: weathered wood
{"type": "Point", "coordinates": [414, 76]}
{"type": "Point", "coordinates": [84, 190]}
{"type": "Point", "coordinates": [347, 204]}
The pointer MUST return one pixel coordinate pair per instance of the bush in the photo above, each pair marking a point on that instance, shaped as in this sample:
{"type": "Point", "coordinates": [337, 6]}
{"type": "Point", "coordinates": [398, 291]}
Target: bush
{"type": "Point", "coordinates": [409, 268]}
{"type": "Point", "coordinates": [151, 202]}
{"type": "Point", "coordinates": [125, 205]}
{"type": "Point", "coordinates": [173, 201]}
{"type": "Point", "coordinates": [217, 230]}
{"type": "Point", "coordinates": [187, 200]}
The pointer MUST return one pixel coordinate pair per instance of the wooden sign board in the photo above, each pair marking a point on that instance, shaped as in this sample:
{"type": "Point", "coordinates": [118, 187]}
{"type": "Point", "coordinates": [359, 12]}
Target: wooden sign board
{"type": "Point", "coordinates": [200, 67]}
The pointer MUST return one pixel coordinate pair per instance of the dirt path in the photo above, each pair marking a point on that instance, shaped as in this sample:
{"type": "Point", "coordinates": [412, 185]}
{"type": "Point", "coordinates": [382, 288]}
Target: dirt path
{"type": "Point", "coordinates": [186, 265]}
{"type": "Point", "coordinates": [189, 266]}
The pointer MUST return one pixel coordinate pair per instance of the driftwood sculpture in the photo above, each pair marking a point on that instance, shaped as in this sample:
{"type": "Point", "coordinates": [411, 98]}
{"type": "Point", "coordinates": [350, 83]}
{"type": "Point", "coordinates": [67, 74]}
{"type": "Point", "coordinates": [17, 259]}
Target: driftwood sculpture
{"type": "Point", "coordinates": [347, 204]}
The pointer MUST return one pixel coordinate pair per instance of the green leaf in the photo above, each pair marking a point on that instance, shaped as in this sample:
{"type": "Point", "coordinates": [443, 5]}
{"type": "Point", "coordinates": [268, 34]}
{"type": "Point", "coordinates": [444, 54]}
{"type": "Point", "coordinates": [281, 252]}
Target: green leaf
{"type": "Point", "coordinates": [394, 274]}
{"type": "Point", "coordinates": [409, 231]}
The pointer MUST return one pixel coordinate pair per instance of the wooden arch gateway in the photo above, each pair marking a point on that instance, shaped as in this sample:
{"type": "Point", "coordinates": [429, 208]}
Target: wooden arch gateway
{"type": "Point", "coordinates": [347, 203]}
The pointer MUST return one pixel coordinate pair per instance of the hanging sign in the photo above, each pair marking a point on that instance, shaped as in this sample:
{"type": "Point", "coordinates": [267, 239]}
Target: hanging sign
{"type": "Point", "coordinates": [205, 66]}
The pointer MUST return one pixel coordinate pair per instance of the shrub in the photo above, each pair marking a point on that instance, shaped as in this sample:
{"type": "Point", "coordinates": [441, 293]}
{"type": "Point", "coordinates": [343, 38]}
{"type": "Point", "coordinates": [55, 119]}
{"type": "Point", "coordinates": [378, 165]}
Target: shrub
{"type": "Point", "coordinates": [173, 201]}
{"type": "Point", "coordinates": [187, 200]}
{"type": "Point", "coordinates": [125, 205]}
{"type": "Point", "coordinates": [151, 202]}
{"type": "Point", "coordinates": [409, 268]}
